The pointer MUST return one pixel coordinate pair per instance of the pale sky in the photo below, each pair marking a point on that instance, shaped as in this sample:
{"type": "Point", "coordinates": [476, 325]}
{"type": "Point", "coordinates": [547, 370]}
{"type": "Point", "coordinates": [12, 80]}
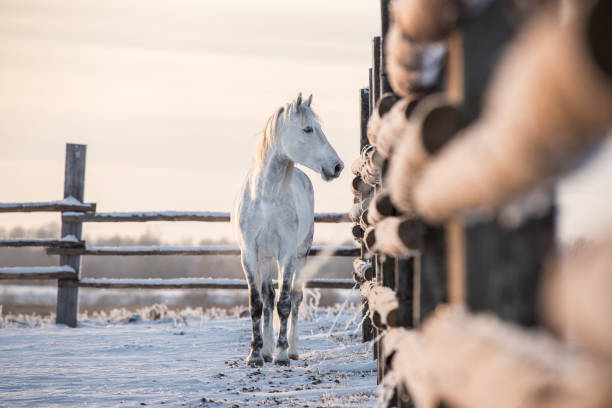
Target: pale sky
{"type": "Point", "coordinates": [170, 95]}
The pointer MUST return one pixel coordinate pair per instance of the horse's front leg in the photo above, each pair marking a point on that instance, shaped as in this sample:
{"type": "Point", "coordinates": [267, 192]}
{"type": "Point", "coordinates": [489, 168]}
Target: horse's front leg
{"type": "Point", "coordinates": [283, 308]}
{"type": "Point", "coordinates": [296, 300]}
{"type": "Point", "coordinates": [249, 263]}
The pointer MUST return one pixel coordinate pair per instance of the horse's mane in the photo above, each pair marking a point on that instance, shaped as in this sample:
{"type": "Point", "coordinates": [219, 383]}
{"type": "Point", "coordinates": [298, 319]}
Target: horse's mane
{"type": "Point", "coordinates": [276, 122]}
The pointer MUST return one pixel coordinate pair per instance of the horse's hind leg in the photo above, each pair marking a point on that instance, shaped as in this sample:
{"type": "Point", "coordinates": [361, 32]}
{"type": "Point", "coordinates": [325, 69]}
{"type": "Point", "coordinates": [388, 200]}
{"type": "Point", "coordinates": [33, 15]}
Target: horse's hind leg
{"type": "Point", "coordinates": [284, 309]}
{"type": "Point", "coordinates": [296, 301]}
{"type": "Point", "coordinates": [267, 289]}
{"type": "Point", "coordinates": [249, 263]}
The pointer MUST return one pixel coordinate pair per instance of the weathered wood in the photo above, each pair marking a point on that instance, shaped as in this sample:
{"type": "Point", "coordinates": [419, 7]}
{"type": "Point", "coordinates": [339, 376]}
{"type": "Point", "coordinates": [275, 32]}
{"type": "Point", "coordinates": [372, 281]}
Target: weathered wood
{"type": "Point", "coordinates": [357, 209]}
{"type": "Point", "coordinates": [434, 270]}
{"type": "Point", "coordinates": [362, 270]}
{"type": "Point", "coordinates": [382, 305]}
{"type": "Point", "coordinates": [356, 167]}
{"type": "Point", "coordinates": [371, 165]}
{"type": "Point", "coordinates": [38, 272]}
{"type": "Point", "coordinates": [413, 68]}
{"type": "Point", "coordinates": [48, 206]}
{"type": "Point", "coordinates": [364, 113]}
{"type": "Point", "coordinates": [395, 236]}
{"type": "Point", "coordinates": [371, 96]}
{"type": "Point", "coordinates": [363, 220]}
{"type": "Point", "coordinates": [434, 122]}
{"type": "Point", "coordinates": [195, 250]}
{"type": "Point", "coordinates": [381, 207]}
{"type": "Point", "coordinates": [74, 186]}
{"type": "Point", "coordinates": [576, 297]}
{"type": "Point", "coordinates": [196, 283]}
{"type": "Point", "coordinates": [394, 124]}
{"type": "Point", "coordinates": [360, 189]}
{"type": "Point", "coordinates": [561, 104]}
{"type": "Point", "coordinates": [375, 70]}
{"type": "Point", "coordinates": [385, 87]}
{"type": "Point", "coordinates": [357, 232]}
{"type": "Point", "coordinates": [202, 216]}
{"type": "Point", "coordinates": [41, 242]}
{"type": "Point", "coordinates": [383, 106]}
{"type": "Point", "coordinates": [477, 361]}
{"type": "Point", "coordinates": [427, 20]}
{"type": "Point", "coordinates": [407, 290]}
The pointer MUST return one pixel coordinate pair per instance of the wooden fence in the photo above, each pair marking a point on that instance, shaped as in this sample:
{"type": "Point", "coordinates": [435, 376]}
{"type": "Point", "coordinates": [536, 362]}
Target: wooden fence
{"type": "Point", "coordinates": [70, 247]}
{"type": "Point", "coordinates": [470, 107]}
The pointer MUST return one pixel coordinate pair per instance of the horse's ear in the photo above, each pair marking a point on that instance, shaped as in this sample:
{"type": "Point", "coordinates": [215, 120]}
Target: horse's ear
{"type": "Point", "coordinates": [298, 101]}
{"type": "Point", "coordinates": [309, 101]}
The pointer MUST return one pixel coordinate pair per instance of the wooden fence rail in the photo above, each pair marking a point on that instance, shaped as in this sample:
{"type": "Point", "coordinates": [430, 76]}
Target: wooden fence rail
{"type": "Point", "coordinates": [201, 216]}
{"type": "Point", "coordinates": [195, 250]}
{"type": "Point", "coordinates": [71, 246]}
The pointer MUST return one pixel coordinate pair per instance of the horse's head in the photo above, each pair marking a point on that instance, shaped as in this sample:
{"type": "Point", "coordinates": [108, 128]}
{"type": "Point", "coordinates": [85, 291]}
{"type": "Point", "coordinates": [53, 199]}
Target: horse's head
{"type": "Point", "coordinates": [304, 142]}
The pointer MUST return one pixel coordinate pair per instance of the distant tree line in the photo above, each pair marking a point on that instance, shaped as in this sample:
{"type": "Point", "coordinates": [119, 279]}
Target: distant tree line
{"type": "Point", "coordinates": [141, 266]}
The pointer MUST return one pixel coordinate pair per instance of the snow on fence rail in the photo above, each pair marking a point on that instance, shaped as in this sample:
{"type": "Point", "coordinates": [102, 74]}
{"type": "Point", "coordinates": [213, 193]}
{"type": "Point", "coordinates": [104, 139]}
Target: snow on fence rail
{"type": "Point", "coordinates": [38, 272]}
{"type": "Point", "coordinates": [67, 204]}
{"type": "Point", "coordinates": [202, 216]}
{"type": "Point", "coordinates": [194, 283]}
{"type": "Point", "coordinates": [71, 247]}
{"type": "Point", "coordinates": [192, 250]}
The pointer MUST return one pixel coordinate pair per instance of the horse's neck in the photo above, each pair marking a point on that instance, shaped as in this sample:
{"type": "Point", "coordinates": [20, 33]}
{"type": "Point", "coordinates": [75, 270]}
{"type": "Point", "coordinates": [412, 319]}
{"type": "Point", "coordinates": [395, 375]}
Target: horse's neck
{"type": "Point", "coordinates": [271, 181]}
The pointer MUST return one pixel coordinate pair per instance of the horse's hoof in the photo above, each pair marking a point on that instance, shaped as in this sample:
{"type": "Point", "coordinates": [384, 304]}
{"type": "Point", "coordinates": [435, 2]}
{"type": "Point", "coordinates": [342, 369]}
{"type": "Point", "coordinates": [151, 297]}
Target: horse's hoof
{"type": "Point", "coordinates": [294, 356]}
{"type": "Point", "coordinates": [267, 358]}
{"type": "Point", "coordinates": [254, 362]}
{"type": "Point", "coordinates": [282, 362]}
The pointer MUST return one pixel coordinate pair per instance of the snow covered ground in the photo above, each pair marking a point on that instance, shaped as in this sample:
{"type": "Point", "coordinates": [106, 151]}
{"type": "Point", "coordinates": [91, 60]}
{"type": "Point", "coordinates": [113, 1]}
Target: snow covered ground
{"type": "Point", "coordinates": [188, 359]}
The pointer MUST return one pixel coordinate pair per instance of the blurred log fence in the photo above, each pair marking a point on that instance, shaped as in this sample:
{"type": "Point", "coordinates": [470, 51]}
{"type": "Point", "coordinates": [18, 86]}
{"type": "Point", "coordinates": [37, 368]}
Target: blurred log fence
{"type": "Point", "coordinates": [70, 247]}
{"type": "Point", "coordinates": [473, 108]}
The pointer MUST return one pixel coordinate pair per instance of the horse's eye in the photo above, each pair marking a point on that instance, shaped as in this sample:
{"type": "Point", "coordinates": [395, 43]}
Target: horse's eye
{"type": "Point", "coordinates": [308, 129]}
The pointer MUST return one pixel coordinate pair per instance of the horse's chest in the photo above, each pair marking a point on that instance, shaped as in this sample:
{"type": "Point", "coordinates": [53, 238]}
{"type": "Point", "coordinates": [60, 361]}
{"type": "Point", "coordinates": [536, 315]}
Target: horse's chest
{"type": "Point", "coordinates": [282, 218]}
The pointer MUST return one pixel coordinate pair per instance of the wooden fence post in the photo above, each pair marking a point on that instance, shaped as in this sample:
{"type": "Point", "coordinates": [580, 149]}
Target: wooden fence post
{"type": "Point", "coordinates": [74, 186]}
{"type": "Point", "coordinates": [365, 100]}
{"type": "Point", "coordinates": [375, 71]}
{"type": "Point", "coordinates": [502, 265]}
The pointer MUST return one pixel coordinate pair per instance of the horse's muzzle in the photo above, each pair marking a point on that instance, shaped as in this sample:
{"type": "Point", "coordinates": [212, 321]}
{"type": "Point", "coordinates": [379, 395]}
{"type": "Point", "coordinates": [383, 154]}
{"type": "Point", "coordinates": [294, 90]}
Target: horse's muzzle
{"type": "Point", "coordinates": [333, 171]}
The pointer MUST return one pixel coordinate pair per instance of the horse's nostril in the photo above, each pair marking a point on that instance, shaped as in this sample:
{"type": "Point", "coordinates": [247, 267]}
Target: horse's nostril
{"type": "Point", "coordinates": [337, 169]}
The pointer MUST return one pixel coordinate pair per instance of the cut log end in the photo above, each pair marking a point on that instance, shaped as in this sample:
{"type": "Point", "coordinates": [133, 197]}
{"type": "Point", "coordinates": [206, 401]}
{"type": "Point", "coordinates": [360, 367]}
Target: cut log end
{"type": "Point", "coordinates": [370, 238]}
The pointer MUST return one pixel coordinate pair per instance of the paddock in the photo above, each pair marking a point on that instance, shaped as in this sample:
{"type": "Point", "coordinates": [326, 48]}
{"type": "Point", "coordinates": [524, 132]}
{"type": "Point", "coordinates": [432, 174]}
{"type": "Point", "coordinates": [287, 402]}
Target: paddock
{"type": "Point", "coordinates": [471, 113]}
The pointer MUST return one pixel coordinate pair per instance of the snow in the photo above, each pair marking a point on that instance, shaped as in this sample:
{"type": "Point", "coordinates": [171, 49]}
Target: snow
{"type": "Point", "coordinates": [239, 283]}
{"type": "Point", "coordinates": [70, 238]}
{"type": "Point", "coordinates": [192, 361]}
{"type": "Point", "coordinates": [66, 201]}
{"type": "Point", "coordinates": [145, 214]}
{"type": "Point", "coordinates": [36, 269]}
{"type": "Point", "coordinates": [101, 216]}
{"type": "Point", "coordinates": [159, 248]}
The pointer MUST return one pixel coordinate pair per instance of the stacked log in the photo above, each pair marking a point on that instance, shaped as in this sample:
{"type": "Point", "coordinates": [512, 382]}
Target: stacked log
{"type": "Point", "coordinates": [362, 270]}
{"type": "Point", "coordinates": [395, 236]}
{"type": "Point", "coordinates": [465, 360]}
{"type": "Point", "coordinates": [549, 104]}
{"type": "Point", "coordinates": [382, 305]}
{"type": "Point", "coordinates": [577, 301]}
{"type": "Point", "coordinates": [435, 123]}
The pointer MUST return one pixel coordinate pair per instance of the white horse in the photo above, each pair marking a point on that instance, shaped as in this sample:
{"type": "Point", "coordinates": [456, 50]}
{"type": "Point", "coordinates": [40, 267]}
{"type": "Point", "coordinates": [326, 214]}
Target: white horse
{"type": "Point", "coordinates": [274, 221]}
